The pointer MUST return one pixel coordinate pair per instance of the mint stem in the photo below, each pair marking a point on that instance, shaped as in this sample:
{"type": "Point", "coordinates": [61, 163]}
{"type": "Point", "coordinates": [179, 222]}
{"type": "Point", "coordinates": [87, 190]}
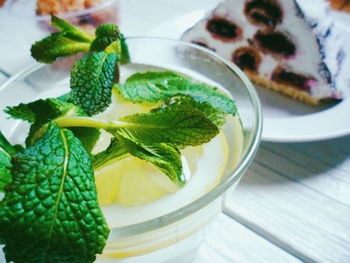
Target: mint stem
{"type": "Point", "coordinates": [96, 123]}
{"type": "Point", "coordinates": [84, 122]}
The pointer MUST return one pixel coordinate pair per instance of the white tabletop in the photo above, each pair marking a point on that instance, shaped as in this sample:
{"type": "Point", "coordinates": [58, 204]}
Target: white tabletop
{"type": "Point", "coordinates": [293, 204]}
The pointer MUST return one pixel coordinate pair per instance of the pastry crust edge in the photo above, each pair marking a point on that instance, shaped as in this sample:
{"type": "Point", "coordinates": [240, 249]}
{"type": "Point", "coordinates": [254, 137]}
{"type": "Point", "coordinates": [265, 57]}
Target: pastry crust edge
{"type": "Point", "coordinates": [283, 89]}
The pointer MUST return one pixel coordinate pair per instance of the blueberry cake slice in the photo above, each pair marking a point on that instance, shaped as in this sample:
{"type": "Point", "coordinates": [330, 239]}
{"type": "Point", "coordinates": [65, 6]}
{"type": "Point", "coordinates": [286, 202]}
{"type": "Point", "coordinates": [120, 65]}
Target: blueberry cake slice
{"type": "Point", "coordinates": [288, 45]}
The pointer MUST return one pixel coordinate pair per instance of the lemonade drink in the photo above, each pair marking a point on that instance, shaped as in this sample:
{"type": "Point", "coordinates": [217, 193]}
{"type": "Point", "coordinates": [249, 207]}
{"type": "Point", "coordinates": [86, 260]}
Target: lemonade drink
{"type": "Point", "coordinates": [133, 191]}
{"type": "Point", "coordinates": [158, 221]}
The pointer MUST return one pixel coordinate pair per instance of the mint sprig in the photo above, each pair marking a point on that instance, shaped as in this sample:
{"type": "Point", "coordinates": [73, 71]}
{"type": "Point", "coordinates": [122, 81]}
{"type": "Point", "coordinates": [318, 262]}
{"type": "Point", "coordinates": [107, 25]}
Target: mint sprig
{"type": "Point", "coordinates": [69, 41]}
{"type": "Point", "coordinates": [174, 124]}
{"type": "Point", "coordinates": [105, 35]}
{"type": "Point", "coordinates": [153, 137]}
{"type": "Point", "coordinates": [41, 112]}
{"type": "Point", "coordinates": [153, 86]}
{"type": "Point", "coordinates": [50, 211]}
{"type": "Point", "coordinates": [92, 80]}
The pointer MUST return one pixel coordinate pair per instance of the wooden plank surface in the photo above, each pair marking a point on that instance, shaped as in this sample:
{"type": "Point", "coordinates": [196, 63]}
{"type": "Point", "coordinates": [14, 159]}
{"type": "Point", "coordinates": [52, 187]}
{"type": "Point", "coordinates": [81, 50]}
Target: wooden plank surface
{"type": "Point", "coordinates": [230, 242]}
{"type": "Point", "coordinates": [296, 196]}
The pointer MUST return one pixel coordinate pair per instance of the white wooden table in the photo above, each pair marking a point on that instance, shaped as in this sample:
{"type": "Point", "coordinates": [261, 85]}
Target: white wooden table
{"type": "Point", "coordinates": [293, 205]}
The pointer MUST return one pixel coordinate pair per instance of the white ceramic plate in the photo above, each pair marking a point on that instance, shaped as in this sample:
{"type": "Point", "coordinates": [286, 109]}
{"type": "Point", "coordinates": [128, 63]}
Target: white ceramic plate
{"type": "Point", "coordinates": [285, 120]}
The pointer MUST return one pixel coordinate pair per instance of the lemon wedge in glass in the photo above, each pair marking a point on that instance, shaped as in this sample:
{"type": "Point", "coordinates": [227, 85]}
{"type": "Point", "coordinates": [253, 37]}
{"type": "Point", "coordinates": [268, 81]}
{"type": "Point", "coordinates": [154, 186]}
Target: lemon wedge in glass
{"type": "Point", "coordinates": [134, 182]}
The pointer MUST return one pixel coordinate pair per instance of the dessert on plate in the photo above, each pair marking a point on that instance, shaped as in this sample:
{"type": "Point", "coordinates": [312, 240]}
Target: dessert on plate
{"type": "Point", "coordinates": [292, 47]}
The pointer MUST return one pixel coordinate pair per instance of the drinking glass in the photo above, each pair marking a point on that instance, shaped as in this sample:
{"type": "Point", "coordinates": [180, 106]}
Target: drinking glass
{"type": "Point", "coordinates": [176, 235]}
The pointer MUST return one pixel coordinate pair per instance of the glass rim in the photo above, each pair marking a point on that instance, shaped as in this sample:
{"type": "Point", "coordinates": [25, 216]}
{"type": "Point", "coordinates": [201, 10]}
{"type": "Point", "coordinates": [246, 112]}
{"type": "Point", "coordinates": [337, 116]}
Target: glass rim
{"type": "Point", "coordinates": [9, 4]}
{"type": "Point", "coordinates": [217, 191]}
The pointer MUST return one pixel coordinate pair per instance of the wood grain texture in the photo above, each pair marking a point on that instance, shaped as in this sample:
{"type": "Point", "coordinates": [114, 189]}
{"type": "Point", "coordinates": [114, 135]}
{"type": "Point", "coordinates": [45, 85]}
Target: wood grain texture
{"type": "Point", "coordinates": [230, 242]}
{"type": "Point", "coordinates": [299, 200]}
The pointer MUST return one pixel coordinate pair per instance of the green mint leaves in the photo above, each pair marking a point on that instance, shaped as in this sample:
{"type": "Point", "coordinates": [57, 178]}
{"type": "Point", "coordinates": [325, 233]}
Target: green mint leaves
{"type": "Point", "coordinates": [155, 86]}
{"type": "Point", "coordinates": [174, 124]}
{"type": "Point", "coordinates": [6, 152]}
{"type": "Point", "coordinates": [41, 112]}
{"type": "Point", "coordinates": [50, 212]}
{"type": "Point", "coordinates": [114, 152]}
{"type": "Point", "coordinates": [153, 137]}
{"type": "Point", "coordinates": [92, 80]}
{"type": "Point", "coordinates": [105, 36]}
{"type": "Point", "coordinates": [166, 157]}
{"type": "Point", "coordinates": [71, 31]}
{"type": "Point", "coordinates": [69, 41]}
{"type": "Point", "coordinates": [57, 45]}
{"type": "Point", "coordinates": [92, 76]}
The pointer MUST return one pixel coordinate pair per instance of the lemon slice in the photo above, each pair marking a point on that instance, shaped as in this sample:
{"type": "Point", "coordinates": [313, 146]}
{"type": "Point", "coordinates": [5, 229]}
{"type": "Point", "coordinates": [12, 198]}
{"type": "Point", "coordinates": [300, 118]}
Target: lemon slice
{"type": "Point", "coordinates": [131, 182]}
{"type": "Point", "coordinates": [135, 182]}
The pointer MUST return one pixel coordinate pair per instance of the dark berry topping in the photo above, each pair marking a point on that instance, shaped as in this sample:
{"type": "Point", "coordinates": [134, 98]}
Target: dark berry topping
{"type": "Point", "coordinates": [263, 12]}
{"type": "Point", "coordinates": [293, 79]}
{"type": "Point", "coordinates": [275, 42]}
{"type": "Point", "coordinates": [247, 58]}
{"type": "Point", "coordinates": [223, 29]}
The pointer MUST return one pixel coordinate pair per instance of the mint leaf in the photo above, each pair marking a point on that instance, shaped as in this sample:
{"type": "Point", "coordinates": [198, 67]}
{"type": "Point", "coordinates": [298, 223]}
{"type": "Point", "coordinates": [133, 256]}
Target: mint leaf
{"type": "Point", "coordinates": [87, 136]}
{"type": "Point", "coordinates": [166, 157]}
{"type": "Point", "coordinates": [105, 35]}
{"type": "Point", "coordinates": [6, 152]}
{"type": "Point", "coordinates": [43, 110]}
{"type": "Point", "coordinates": [216, 116]}
{"type": "Point", "coordinates": [21, 112]}
{"type": "Point", "coordinates": [50, 212]}
{"type": "Point", "coordinates": [175, 124]}
{"type": "Point", "coordinates": [179, 125]}
{"type": "Point", "coordinates": [40, 112]}
{"type": "Point", "coordinates": [65, 43]}
{"type": "Point", "coordinates": [111, 154]}
{"type": "Point", "coordinates": [155, 86]}
{"type": "Point", "coordinates": [71, 31]}
{"type": "Point", "coordinates": [58, 44]}
{"type": "Point", "coordinates": [92, 80]}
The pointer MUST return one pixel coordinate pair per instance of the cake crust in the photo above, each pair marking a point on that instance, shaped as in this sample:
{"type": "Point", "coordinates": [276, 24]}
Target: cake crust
{"type": "Point", "coordinates": [283, 88]}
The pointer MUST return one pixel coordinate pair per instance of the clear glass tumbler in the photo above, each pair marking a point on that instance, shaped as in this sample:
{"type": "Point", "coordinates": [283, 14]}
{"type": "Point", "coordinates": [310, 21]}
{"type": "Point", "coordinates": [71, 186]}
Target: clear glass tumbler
{"type": "Point", "coordinates": [176, 235]}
